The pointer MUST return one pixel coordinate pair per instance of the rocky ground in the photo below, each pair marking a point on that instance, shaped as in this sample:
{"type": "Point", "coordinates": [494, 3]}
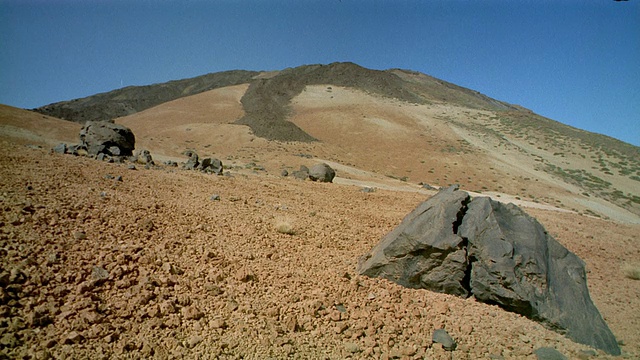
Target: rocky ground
{"type": "Point", "coordinates": [101, 261]}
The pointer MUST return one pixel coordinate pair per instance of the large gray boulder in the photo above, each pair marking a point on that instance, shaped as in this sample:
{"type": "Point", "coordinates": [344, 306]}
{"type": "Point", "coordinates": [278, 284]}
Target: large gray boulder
{"type": "Point", "coordinates": [424, 251]}
{"type": "Point", "coordinates": [322, 173]}
{"type": "Point", "coordinates": [102, 137]}
{"type": "Point", "coordinates": [498, 254]}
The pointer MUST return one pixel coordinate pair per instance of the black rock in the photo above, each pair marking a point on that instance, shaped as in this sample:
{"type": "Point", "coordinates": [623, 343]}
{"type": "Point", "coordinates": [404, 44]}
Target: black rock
{"type": "Point", "coordinates": [498, 254]}
{"type": "Point", "coordinates": [424, 251]}
{"type": "Point", "coordinates": [546, 353]}
{"type": "Point", "coordinates": [441, 336]}
{"type": "Point", "coordinates": [106, 137]}
{"type": "Point", "coordinates": [322, 173]}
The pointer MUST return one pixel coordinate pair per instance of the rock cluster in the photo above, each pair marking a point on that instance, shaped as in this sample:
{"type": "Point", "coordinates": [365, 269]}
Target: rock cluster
{"type": "Point", "coordinates": [208, 165]}
{"type": "Point", "coordinates": [319, 172]}
{"type": "Point", "coordinates": [497, 253]}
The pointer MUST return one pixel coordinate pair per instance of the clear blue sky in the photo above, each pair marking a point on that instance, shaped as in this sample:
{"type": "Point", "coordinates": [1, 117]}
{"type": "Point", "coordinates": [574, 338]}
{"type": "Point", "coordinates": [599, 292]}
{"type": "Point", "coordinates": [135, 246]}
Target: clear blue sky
{"type": "Point", "coordinates": [575, 61]}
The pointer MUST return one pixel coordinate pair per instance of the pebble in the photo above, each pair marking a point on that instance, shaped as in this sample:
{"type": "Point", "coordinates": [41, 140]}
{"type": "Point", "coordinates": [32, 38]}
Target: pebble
{"type": "Point", "coordinates": [441, 336]}
{"type": "Point", "coordinates": [547, 353]}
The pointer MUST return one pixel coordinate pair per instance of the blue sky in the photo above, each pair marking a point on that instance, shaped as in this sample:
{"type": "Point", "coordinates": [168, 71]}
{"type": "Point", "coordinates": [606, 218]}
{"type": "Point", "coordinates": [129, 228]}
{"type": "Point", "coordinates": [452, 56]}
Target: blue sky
{"type": "Point", "coordinates": [575, 61]}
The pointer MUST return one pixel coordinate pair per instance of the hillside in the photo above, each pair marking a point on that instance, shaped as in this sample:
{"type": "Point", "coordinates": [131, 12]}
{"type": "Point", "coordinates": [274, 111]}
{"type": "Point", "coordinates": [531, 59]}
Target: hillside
{"type": "Point", "coordinates": [395, 123]}
{"type": "Point", "coordinates": [152, 267]}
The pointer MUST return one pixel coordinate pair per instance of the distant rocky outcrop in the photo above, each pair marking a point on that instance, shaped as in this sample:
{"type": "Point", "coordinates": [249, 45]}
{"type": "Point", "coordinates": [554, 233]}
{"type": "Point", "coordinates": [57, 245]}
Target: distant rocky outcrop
{"type": "Point", "coordinates": [497, 253]}
{"type": "Point", "coordinates": [107, 138]}
{"type": "Point", "coordinates": [322, 173]}
{"type": "Point", "coordinates": [208, 165]}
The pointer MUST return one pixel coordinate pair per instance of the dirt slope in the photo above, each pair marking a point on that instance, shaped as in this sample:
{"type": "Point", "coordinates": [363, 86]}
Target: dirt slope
{"type": "Point", "coordinates": [190, 277]}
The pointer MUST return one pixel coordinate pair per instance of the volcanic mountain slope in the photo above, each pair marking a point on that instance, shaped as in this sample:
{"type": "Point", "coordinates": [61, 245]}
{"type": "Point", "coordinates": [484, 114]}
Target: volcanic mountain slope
{"type": "Point", "coordinates": [153, 267]}
{"type": "Point", "coordinates": [394, 123]}
{"type": "Point", "coordinates": [191, 277]}
{"type": "Point", "coordinates": [132, 99]}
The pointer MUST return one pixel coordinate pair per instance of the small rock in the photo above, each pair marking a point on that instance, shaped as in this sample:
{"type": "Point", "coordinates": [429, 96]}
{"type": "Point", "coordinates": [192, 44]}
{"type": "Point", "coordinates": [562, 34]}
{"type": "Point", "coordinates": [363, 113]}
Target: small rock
{"type": "Point", "coordinates": [73, 338]}
{"type": "Point", "coordinates": [194, 340]}
{"type": "Point", "coordinates": [441, 336]}
{"type": "Point", "coordinates": [215, 197]}
{"type": "Point", "coordinates": [99, 274]}
{"type": "Point", "coordinates": [586, 354]}
{"type": "Point", "coordinates": [192, 313]}
{"type": "Point", "coordinates": [284, 173]}
{"type": "Point", "coordinates": [218, 324]}
{"type": "Point", "coordinates": [352, 347]}
{"type": "Point", "coordinates": [79, 235]}
{"type": "Point", "coordinates": [131, 167]}
{"type": "Point", "coordinates": [547, 353]}
{"type": "Point", "coordinates": [60, 148]}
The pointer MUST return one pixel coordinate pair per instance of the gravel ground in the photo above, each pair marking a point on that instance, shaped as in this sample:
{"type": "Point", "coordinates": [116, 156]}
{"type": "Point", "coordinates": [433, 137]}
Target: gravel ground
{"type": "Point", "coordinates": [100, 261]}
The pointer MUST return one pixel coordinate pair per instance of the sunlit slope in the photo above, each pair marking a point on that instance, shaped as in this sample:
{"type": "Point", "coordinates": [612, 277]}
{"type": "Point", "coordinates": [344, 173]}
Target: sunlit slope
{"type": "Point", "coordinates": [27, 127]}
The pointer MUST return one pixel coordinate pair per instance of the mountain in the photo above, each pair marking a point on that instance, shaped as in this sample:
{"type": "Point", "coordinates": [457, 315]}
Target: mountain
{"type": "Point", "coordinates": [398, 123]}
{"type": "Point", "coordinates": [199, 264]}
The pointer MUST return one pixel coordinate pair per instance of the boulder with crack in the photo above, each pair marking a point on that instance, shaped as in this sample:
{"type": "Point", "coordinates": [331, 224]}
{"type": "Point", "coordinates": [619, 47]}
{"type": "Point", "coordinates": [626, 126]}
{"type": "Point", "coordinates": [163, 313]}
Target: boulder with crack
{"type": "Point", "coordinates": [497, 253]}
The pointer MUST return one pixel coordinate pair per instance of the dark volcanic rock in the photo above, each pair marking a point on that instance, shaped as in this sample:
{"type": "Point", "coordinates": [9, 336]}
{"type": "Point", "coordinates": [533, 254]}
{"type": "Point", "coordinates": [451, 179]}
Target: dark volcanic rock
{"type": "Point", "coordinates": [108, 138]}
{"type": "Point", "coordinates": [322, 173]}
{"type": "Point", "coordinates": [302, 174]}
{"type": "Point", "coordinates": [515, 263]}
{"type": "Point", "coordinates": [211, 165]}
{"type": "Point", "coordinates": [425, 251]}
{"type": "Point", "coordinates": [498, 254]}
{"type": "Point", "coordinates": [193, 161]}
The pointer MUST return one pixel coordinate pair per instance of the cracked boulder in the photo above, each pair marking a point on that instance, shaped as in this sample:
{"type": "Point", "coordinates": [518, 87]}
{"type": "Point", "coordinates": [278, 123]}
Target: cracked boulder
{"type": "Point", "coordinates": [498, 254]}
{"type": "Point", "coordinates": [425, 251]}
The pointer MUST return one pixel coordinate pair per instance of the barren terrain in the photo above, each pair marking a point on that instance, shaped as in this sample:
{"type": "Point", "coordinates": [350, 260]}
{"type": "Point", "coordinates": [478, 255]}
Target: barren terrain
{"type": "Point", "coordinates": [98, 260]}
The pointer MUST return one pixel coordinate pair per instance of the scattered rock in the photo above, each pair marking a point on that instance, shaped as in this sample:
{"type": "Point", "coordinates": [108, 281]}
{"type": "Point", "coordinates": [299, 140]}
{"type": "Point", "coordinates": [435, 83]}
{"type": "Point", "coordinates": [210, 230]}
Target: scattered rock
{"type": "Point", "coordinates": [193, 340]}
{"type": "Point", "coordinates": [192, 313]}
{"type": "Point", "coordinates": [210, 165]}
{"type": "Point", "coordinates": [60, 148]}
{"type": "Point", "coordinates": [322, 173]}
{"type": "Point", "coordinates": [546, 353]}
{"type": "Point", "coordinates": [352, 347]}
{"type": "Point", "coordinates": [441, 336]}
{"type": "Point", "coordinates": [302, 174]}
{"type": "Point", "coordinates": [143, 157]}
{"type": "Point", "coordinates": [99, 274]}
{"type": "Point", "coordinates": [193, 161]}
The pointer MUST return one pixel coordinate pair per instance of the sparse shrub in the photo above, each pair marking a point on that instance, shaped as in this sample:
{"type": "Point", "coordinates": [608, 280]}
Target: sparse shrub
{"type": "Point", "coordinates": [632, 271]}
{"type": "Point", "coordinates": [285, 227]}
